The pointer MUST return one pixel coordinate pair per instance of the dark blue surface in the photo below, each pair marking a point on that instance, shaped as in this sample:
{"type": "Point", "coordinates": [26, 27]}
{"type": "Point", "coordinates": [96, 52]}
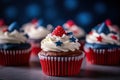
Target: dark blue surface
{"type": "Point", "coordinates": [85, 13]}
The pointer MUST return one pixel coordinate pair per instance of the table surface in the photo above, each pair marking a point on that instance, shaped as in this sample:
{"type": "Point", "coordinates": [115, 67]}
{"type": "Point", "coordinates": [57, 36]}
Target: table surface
{"type": "Point", "coordinates": [34, 72]}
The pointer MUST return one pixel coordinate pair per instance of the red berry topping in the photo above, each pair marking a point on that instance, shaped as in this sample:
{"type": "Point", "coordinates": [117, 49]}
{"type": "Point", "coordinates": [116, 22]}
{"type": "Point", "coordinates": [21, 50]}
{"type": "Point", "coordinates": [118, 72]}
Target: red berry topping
{"type": "Point", "coordinates": [34, 21]}
{"type": "Point", "coordinates": [114, 37]}
{"type": "Point", "coordinates": [91, 32]}
{"type": "Point", "coordinates": [108, 22]}
{"type": "Point", "coordinates": [2, 22]}
{"type": "Point", "coordinates": [70, 23]}
{"type": "Point", "coordinates": [58, 31]}
{"type": "Point", "coordinates": [5, 29]}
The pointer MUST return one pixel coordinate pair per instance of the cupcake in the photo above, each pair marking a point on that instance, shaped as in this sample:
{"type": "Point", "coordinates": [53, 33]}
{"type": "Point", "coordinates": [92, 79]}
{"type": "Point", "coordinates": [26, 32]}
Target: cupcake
{"type": "Point", "coordinates": [2, 25]}
{"type": "Point", "coordinates": [60, 54]}
{"type": "Point", "coordinates": [36, 34]}
{"type": "Point", "coordinates": [102, 46]}
{"type": "Point", "coordinates": [78, 32]}
{"type": "Point", "coordinates": [14, 49]}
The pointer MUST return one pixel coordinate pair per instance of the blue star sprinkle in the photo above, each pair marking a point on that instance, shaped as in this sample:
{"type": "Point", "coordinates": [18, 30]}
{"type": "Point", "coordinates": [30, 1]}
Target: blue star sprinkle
{"type": "Point", "coordinates": [58, 43]}
{"type": "Point", "coordinates": [69, 33]}
{"type": "Point", "coordinates": [13, 26]}
{"type": "Point", "coordinates": [72, 39]}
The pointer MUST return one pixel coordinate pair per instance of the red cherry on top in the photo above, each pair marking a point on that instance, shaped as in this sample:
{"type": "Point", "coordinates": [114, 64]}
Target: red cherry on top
{"type": "Point", "coordinates": [34, 21]}
{"type": "Point", "coordinates": [58, 31]}
{"type": "Point", "coordinates": [2, 22]}
{"type": "Point", "coordinates": [70, 23]}
{"type": "Point", "coordinates": [108, 22]}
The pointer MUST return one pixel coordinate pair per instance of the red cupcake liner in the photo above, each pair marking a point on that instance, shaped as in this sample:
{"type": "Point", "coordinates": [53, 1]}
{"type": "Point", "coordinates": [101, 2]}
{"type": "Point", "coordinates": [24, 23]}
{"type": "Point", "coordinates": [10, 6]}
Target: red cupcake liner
{"type": "Point", "coordinates": [35, 50]}
{"type": "Point", "coordinates": [35, 47]}
{"type": "Point", "coordinates": [103, 56]}
{"type": "Point", "coordinates": [61, 66]}
{"type": "Point", "coordinates": [14, 57]}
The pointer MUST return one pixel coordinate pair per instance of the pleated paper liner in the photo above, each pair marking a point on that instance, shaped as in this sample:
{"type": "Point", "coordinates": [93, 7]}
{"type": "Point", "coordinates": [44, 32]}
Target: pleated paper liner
{"type": "Point", "coordinates": [35, 50]}
{"type": "Point", "coordinates": [61, 66]}
{"type": "Point", "coordinates": [35, 46]}
{"type": "Point", "coordinates": [103, 56]}
{"type": "Point", "coordinates": [14, 57]}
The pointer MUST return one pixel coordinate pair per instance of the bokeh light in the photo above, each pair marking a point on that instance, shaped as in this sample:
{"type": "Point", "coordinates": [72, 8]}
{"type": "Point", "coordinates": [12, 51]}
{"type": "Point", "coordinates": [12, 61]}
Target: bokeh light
{"type": "Point", "coordinates": [100, 8]}
{"type": "Point", "coordinates": [51, 14]}
{"type": "Point", "coordinates": [49, 3]}
{"type": "Point", "coordinates": [33, 10]}
{"type": "Point", "coordinates": [70, 4]}
{"type": "Point", "coordinates": [11, 12]}
{"type": "Point", "coordinates": [84, 18]}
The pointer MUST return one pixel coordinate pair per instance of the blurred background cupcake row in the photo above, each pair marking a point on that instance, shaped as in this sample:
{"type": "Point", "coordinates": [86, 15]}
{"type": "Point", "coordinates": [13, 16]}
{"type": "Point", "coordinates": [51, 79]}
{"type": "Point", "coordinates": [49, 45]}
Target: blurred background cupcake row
{"type": "Point", "coordinates": [85, 13]}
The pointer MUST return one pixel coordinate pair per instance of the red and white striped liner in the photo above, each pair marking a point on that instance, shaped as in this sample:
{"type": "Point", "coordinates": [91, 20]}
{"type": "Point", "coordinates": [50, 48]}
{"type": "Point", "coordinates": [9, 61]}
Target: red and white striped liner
{"type": "Point", "coordinates": [35, 48]}
{"type": "Point", "coordinates": [61, 66]}
{"type": "Point", "coordinates": [14, 57]}
{"type": "Point", "coordinates": [103, 56]}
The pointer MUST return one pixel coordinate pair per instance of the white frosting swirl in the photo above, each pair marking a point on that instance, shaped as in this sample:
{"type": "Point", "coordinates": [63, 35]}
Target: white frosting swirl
{"type": "Point", "coordinates": [114, 28]}
{"type": "Point", "coordinates": [12, 37]}
{"type": "Point", "coordinates": [106, 38]}
{"type": "Point", "coordinates": [80, 32]}
{"type": "Point", "coordinates": [37, 33]}
{"type": "Point", "coordinates": [48, 44]}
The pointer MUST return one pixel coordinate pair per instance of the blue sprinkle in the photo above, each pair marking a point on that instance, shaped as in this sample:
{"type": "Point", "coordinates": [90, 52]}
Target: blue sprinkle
{"type": "Point", "coordinates": [69, 33]}
{"type": "Point", "coordinates": [40, 22]}
{"type": "Point", "coordinates": [13, 26]}
{"type": "Point", "coordinates": [72, 39]}
{"type": "Point", "coordinates": [58, 43]}
{"type": "Point", "coordinates": [26, 36]}
{"type": "Point", "coordinates": [103, 29]}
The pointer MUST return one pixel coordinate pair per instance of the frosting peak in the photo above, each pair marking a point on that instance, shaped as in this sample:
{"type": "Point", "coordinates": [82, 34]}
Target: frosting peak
{"type": "Point", "coordinates": [65, 43]}
{"type": "Point", "coordinates": [102, 34]}
{"type": "Point", "coordinates": [12, 37]}
{"type": "Point", "coordinates": [70, 26]}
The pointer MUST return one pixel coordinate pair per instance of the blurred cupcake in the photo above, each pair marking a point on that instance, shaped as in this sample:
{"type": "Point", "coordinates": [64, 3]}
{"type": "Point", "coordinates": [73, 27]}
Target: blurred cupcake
{"type": "Point", "coordinates": [14, 49]}
{"type": "Point", "coordinates": [78, 32]}
{"type": "Point", "coordinates": [36, 34]}
{"type": "Point", "coordinates": [2, 25]}
{"type": "Point", "coordinates": [103, 46]}
{"type": "Point", "coordinates": [60, 55]}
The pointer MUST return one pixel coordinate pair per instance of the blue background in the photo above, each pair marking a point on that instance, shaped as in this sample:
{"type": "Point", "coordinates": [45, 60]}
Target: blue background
{"type": "Point", "coordinates": [86, 13]}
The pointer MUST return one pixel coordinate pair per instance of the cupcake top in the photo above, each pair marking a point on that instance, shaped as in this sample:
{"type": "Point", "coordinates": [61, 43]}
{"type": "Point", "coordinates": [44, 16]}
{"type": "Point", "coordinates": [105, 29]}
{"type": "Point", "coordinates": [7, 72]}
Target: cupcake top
{"type": "Point", "coordinates": [26, 27]}
{"type": "Point", "coordinates": [38, 32]}
{"type": "Point", "coordinates": [72, 27]}
{"type": "Point", "coordinates": [12, 37]}
{"type": "Point", "coordinates": [60, 41]}
{"type": "Point", "coordinates": [102, 37]}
